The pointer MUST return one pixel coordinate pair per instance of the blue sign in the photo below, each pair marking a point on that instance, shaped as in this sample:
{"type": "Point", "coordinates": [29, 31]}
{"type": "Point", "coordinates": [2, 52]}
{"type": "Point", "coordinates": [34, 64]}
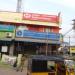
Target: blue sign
{"type": "Point", "coordinates": [19, 33]}
{"type": "Point", "coordinates": [7, 27]}
{"type": "Point", "coordinates": [37, 35]}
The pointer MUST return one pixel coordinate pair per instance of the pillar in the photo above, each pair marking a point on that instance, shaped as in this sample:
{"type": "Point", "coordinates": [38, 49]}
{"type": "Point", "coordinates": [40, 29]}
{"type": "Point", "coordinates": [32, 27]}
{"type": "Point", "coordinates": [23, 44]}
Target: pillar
{"type": "Point", "coordinates": [11, 49]}
{"type": "Point", "coordinates": [50, 49]}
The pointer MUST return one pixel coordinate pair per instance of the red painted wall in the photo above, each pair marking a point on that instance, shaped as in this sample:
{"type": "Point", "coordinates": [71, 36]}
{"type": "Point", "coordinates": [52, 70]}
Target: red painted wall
{"type": "Point", "coordinates": [36, 28]}
{"type": "Point", "coordinates": [55, 30]}
{"type": "Point", "coordinates": [43, 29]}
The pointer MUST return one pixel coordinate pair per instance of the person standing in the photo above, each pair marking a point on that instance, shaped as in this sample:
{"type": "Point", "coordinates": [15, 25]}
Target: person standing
{"type": "Point", "coordinates": [21, 65]}
{"type": "Point", "coordinates": [15, 64]}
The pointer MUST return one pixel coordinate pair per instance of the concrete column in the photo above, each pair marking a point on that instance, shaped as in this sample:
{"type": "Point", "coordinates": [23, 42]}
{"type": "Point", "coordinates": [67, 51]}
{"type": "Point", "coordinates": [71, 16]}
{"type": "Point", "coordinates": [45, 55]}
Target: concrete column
{"type": "Point", "coordinates": [50, 49]}
{"type": "Point", "coordinates": [11, 49]}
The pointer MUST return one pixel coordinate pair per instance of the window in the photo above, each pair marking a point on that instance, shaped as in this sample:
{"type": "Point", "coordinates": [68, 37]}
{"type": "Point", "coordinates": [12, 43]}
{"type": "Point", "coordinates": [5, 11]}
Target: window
{"type": "Point", "coordinates": [47, 29]}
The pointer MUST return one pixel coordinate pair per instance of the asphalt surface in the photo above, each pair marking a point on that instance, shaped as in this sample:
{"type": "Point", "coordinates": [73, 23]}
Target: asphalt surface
{"type": "Point", "coordinates": [11, 71]}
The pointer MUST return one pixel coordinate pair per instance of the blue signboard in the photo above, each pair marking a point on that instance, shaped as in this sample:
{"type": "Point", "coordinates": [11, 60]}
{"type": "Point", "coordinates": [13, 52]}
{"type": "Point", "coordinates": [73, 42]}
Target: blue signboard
{"type": "Point", "coordinates": [6, 27]}
{"type": "Point", "coordinates": [19, 33]}
{"type": "Point", "coordinates": [37, 35]}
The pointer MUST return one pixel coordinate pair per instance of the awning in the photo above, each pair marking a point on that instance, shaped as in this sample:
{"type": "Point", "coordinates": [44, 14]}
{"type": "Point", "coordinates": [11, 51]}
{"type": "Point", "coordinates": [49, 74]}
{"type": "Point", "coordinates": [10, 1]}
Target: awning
{"type": "Point", "coordinates": [37, 40]}
{"type": "Point", "coordinates": [6, 39]}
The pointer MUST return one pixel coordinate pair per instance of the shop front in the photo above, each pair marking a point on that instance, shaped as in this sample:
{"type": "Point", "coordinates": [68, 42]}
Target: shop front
{"type": "Point", "coordinates": [31, 42]}
{"type": "Point", "coordinates": [6, 38]}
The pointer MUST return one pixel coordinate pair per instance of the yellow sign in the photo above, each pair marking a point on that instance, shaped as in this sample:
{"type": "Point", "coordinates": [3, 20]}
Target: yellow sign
{"type": "Point", "coordinates": [15, 17]}
{"type": "Point", "coordinates": [72, 49]}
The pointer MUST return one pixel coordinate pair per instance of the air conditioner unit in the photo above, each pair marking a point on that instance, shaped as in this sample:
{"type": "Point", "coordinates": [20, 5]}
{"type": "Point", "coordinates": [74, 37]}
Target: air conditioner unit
{"type": "Point", "coordinates": [9, 35]}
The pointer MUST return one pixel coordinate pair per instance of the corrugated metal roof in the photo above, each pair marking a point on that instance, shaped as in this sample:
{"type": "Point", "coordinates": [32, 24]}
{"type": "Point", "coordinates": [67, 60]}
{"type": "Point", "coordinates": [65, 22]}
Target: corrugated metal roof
{"type": "Point", "coordinates": [43, 57]}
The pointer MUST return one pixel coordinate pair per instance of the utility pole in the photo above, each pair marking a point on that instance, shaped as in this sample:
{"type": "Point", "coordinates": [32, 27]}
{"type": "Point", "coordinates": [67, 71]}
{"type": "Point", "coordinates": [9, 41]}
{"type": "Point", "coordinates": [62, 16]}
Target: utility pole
{"type": "Point", "coordinates": [68, 37]}
{"type": "Point", "coordinates": [47, 44]}
{"type": "Point", "coordinates": [19, 6]}
{"type": "Point", "coordinates": [69, 45]}
{"type": "Point", "coordinates": [73, 24]}
{"type": "Point", "coordinates": [73, 28]}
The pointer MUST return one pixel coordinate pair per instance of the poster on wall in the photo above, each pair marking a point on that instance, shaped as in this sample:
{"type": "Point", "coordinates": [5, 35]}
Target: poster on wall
{"type": "Point", "coordinates": [4, 49]}
{"type": "Point", "coordinates": [8, 59]}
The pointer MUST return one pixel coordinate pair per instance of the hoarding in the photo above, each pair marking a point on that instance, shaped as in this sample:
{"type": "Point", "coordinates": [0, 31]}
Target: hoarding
{"type": "Point", "coordinates": [4, 35]}
{"type": "Point", "coordinates": [72, 49]}
{"type": "Point", "coordinates": [37, 35]}
{"type": "Point", "coordinates": [8, 59]}
{"type": "Point", "coordinates": [40, 19]}
{"type": "Point", "coordinates": [6, 28]}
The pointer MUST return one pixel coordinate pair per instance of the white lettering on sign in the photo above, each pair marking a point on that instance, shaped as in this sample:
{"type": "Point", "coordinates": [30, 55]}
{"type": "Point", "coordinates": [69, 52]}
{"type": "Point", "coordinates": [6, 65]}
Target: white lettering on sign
{"type": "Point", "coordinates": [41, 17]}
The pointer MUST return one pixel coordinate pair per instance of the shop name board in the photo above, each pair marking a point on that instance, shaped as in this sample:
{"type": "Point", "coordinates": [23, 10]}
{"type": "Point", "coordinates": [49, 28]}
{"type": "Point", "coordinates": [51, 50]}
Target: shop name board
{"type": "Point", "coordinates": [6, 28]}
{"type": "Point", "coordinates": [72, 49]}
{"type": "Point", "coordinates": [37, 35]}
{"type": "Point", "coordinates": [41, 17]}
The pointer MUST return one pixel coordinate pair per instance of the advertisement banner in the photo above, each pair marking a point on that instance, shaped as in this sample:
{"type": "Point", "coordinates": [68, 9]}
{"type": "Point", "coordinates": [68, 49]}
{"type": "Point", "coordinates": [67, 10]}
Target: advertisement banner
{"type": "Point", "coordinates": [72, 49]}
{"type": "Point", "coordinates": [4, 49]}
{"type": "Point", "coordinates": [4, 35]}
{"type": "Point", "coordinates": [41, 17]}
{"type": "Point", "coordinates": [8, 59]}
{"type": "Point", "coordinates": [8, 28]}
{"type": "Point", "coordinates": [36, 19]}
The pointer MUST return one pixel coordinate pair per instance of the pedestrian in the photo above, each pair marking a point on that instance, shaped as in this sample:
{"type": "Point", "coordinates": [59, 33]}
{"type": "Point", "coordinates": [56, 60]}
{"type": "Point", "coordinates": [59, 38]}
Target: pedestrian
{"type": "Point", "coordinates": [21, 65]}
{"type": "Point", "coordinates": [15, 64]}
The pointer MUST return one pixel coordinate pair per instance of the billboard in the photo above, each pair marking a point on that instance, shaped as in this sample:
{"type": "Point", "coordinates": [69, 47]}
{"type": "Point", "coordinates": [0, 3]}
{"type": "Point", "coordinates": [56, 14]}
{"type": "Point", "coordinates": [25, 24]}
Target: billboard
{"type": "Point", "coordinates": [8, 28]}
{"type": "Point", "coordinates": [41, 17]}
{"type": "Point", "coordinates": [72, 49]}
{"type": "Point", "coordinates": [36, 19]}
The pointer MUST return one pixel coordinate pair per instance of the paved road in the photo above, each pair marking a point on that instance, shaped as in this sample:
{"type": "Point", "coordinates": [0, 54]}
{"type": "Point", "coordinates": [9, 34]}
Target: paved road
{"type": "Point", "coordinates": [11, 71]}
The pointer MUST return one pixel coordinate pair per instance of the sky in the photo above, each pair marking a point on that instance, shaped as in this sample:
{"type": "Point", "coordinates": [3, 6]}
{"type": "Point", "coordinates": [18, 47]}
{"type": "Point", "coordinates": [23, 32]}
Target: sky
{"type": "Point", "coordinates": [66, 7]}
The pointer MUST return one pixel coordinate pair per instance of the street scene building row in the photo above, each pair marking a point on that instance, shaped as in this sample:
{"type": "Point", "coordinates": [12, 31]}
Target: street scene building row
{"type": "Point", "coordinates": [29, 33]}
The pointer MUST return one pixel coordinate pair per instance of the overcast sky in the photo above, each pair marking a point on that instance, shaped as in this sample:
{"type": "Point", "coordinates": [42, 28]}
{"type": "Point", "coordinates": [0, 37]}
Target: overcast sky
{"type": "Point", "coordinates": [66, 7]}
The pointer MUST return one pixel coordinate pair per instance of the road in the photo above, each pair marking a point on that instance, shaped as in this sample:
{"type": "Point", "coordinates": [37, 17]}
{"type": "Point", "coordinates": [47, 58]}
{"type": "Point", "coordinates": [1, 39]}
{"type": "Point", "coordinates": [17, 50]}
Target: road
{"type": "Point", "coordinates": [11, 71]}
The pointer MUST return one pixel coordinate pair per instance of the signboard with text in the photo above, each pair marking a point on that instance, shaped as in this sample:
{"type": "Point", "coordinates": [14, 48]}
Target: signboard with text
{"type": "Point", "coordinates": [37, 35]}
{"type": "Point", "coordinates": [41, 17]}
{"type": "Point", "coordinates": [29, 18]}
{"type": "Point", "coordinates": [72, 49]}
{"type": "Point", "coordinates": [9, 28]}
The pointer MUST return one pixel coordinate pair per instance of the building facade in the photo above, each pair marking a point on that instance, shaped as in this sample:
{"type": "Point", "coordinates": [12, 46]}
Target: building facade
{"type": "Point", "coordinates": [29, 33]}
